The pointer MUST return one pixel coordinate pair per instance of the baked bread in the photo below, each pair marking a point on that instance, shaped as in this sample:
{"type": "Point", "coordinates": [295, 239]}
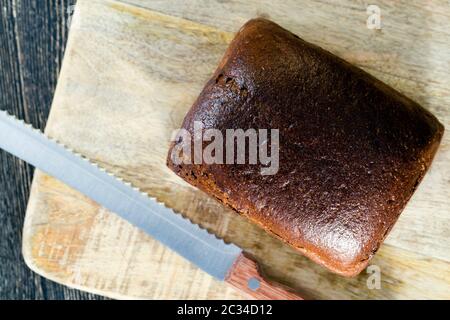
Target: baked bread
{"type": "Point", "coordinates": [352, 150]}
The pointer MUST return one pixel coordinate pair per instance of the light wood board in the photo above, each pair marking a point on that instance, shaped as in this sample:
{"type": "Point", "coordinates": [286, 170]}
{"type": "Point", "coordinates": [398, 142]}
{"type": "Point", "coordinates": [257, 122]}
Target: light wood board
{"type": "Point", "coordinates": [131, 72]}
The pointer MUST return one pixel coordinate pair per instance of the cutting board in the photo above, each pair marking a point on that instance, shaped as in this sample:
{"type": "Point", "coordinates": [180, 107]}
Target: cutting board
{"type": "Point", "coordinates": [131, 71]}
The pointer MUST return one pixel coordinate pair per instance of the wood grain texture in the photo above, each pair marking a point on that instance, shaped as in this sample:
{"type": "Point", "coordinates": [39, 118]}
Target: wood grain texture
{"type": "Point", "coordinates": [32, 42]}
{"type": "Point", "coordinates": [130, 74]}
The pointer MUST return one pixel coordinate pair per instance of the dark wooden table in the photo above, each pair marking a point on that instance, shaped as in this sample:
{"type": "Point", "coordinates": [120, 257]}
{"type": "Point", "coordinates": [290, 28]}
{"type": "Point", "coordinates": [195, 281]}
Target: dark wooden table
{"type": "Point", "coordinates": [33, 35]}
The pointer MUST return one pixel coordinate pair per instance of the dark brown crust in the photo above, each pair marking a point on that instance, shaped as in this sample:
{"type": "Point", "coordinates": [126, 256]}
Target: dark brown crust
{"type": "Point", "coordinates": [352, 149]}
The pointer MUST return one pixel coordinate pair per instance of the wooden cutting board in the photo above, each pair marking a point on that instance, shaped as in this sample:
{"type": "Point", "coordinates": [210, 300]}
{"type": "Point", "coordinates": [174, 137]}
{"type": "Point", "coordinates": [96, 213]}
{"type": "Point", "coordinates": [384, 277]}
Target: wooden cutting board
{"type": "Point", "coordinates": [133, 68]}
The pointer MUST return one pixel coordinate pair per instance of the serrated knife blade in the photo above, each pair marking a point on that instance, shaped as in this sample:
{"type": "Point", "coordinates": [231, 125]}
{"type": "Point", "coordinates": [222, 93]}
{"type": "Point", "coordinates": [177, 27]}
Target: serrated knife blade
{"type": "Point", "coordinates": [176, 232]}
{"type": "Point", "coordinates": [221, 260]}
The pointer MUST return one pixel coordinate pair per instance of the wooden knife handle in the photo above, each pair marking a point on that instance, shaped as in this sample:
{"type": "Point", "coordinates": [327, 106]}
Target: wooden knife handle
{"type": "Point", "coordinates": [246, 277]}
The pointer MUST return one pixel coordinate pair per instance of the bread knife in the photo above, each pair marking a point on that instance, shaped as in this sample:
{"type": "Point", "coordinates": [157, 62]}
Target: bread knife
{"type": "Point", "coordinates": [225, 262]}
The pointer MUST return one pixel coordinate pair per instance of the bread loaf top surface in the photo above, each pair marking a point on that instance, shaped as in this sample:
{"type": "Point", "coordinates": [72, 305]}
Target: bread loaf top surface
{"type": "Point", "coordinates": [352, 150]}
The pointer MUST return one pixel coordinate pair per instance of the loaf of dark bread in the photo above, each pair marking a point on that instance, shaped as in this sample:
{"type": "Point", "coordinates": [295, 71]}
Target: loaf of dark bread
{"type": "Point", "coordinates": [352, 150]}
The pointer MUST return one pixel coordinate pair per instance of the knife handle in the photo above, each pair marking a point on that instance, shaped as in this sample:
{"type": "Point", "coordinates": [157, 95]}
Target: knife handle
{"type": "Point", "coordinates": [245, 275]}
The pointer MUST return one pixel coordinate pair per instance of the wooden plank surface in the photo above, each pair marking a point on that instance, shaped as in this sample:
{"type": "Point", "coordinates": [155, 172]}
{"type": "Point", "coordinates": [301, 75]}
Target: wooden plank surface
{"type": "Point", "coordinates": [32, 42]}
{"type": "Point", "coordinates": [131, 72]}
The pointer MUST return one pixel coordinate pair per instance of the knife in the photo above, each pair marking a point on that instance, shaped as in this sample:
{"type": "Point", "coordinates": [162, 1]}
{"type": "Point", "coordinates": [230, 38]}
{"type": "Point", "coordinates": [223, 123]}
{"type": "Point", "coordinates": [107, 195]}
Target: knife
{"type": "Point", "coordinates": [225, 262]}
